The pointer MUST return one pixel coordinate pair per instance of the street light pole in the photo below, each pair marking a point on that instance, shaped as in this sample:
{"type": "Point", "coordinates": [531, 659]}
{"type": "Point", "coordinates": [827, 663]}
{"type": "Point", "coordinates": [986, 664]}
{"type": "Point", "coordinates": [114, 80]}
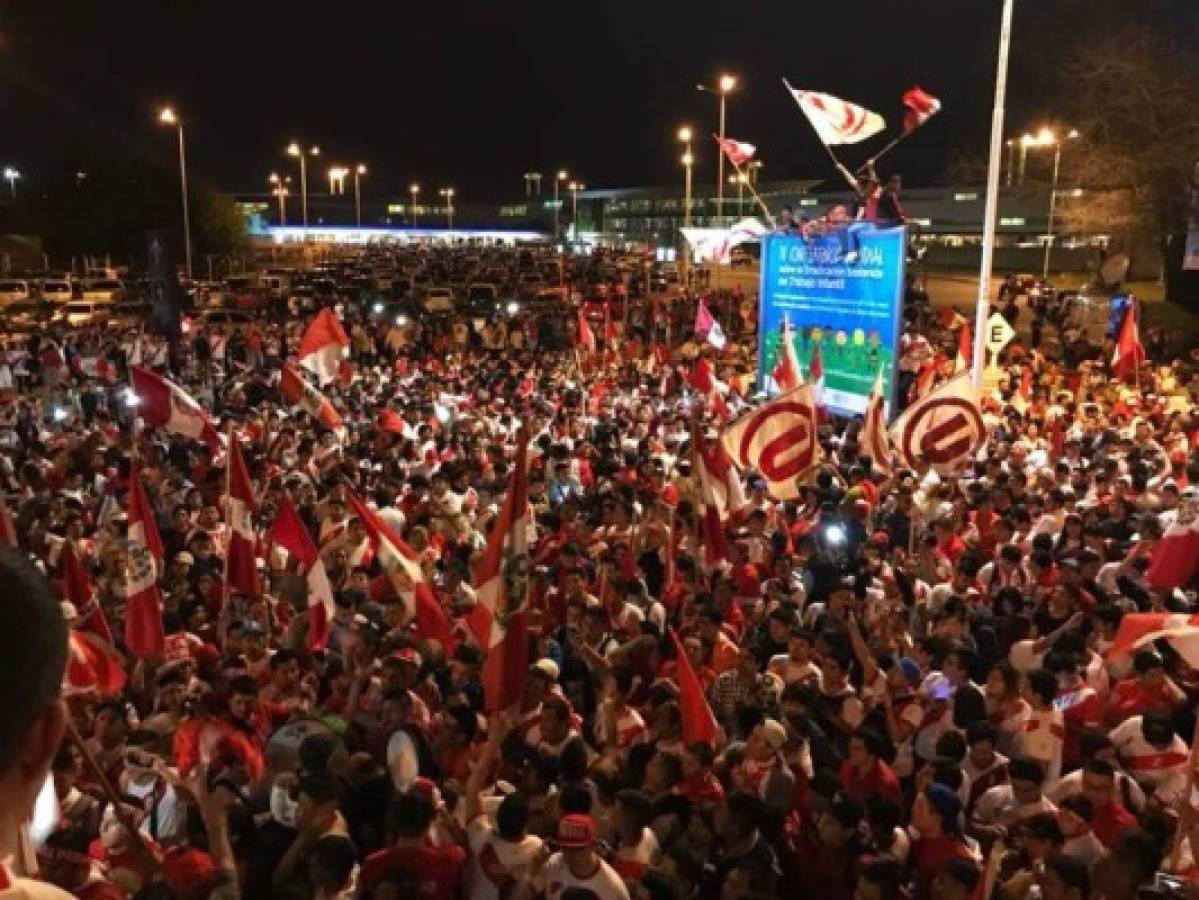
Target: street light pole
{"type": "Point", "coordinates": [414, 190]}
{"type": "Point", "coordinates": [448, 194]}
{"type": "Point", "coordinates": [560, 177]}
{"type": "Point", "coordinates": [1026, 141]}
{"type": "Point", "coordinates": [1057, 166]}
{"type": "Point", "coordinates": [294, 149]}
{"type": "Point", "coordinates": [11, 175]}
{"type": "Point", "coordinates": [982, 313]}
{"type": "Point", "coordinates": [167, 117]}
{"type": "Point", "coordinates": [279, 188]}
{"type": "Point", "coordinates": [359, 171]}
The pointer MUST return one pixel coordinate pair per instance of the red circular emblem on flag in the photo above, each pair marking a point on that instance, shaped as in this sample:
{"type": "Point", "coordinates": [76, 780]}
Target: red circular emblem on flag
{"type": "Point", "coordinates": [943, 433]}
{"type": "Point", "coordinates": [779, 440]}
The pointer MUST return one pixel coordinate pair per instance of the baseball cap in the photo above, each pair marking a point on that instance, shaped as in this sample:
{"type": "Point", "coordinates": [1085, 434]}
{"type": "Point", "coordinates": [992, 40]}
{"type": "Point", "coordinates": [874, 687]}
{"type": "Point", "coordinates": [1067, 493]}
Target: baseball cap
{"type": "Point", "coordinates": [576, 832]}
{"type": "Point", "coordinates": [774, 733]}
{"type": "Point", "coordinates": [546, 667]}
{"type": "Point", "coordinates": [407, 655]}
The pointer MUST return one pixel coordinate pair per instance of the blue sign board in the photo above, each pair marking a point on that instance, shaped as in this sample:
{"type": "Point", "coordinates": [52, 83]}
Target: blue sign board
{"type": "Point", "coordinates": [841, 292]}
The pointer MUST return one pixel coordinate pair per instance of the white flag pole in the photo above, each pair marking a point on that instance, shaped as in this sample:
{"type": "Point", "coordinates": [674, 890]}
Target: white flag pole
{"type": "Point", "coordinates": [992, 206]}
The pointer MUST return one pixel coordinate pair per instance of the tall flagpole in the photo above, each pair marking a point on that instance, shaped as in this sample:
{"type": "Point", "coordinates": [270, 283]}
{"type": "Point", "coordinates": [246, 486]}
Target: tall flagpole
{"type": "Point", "coordinates": [992, 208]}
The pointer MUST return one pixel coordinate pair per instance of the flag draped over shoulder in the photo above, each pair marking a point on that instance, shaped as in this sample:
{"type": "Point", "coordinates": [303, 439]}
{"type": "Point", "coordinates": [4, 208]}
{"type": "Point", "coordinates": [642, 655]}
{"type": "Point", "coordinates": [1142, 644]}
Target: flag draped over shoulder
{"type": "Point", "coordinates": [837, 121]}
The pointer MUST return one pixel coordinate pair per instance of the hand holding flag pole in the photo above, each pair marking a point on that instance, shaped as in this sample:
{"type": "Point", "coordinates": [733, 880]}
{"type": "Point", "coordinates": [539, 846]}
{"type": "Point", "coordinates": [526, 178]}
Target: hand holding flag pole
{"type": "Point", "coordinates": [921, 106]}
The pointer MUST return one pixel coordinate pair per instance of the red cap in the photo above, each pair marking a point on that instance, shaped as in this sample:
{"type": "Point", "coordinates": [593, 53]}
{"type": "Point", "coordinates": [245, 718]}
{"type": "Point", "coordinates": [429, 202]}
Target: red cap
{"type": "Point", "coordinates": [576, 832]}
{"type": "Point", "coordinates": [188, 872]}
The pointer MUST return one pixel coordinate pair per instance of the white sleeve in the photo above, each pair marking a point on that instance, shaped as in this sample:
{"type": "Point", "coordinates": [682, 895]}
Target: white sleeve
{"type": "Point", "coordinates": [1125, 733]}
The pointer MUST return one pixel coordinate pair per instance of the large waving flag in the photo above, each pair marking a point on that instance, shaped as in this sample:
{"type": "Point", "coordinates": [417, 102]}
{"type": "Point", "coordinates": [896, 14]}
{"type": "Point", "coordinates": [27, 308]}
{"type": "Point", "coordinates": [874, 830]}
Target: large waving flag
{"type": "Point", "coordinates": [79, 590]}
{"type": "Point", "coordinates": [722, 493]}
{"type": "Point", "coordinates": [875, 441]}
{"type": "Point", "coordinates": [298, 392]}
{"type": "Point", "coordinates": [837, 121]}
{"type": "Point", "coordinates": [698, 722]}
{"type": "Point", "coordinates": [500, 629]}
{"type": "Point", "coordinates": [1129, 352]}
{"type": "Point", "coordinates": [707, 327]}
{"type": "Point", "coordinates": [944, 428]}
{"type": "Point", "coordinates": [703, 379]}
{"type": "Point", "coordinates": [738, 152]}
{"type": "Point", "coordinates": [241, 567]}
{"type": "Point", "coordinates": [144, 636]}
{"type": "Point", "coordinates": [164, 404]}
{"type": "Point", "coordinates": [290, 533]}
{"type": "Point", "coordinates": [400, 559]}
{"type": "Point", "coordinates": [321, 348]}
{"type": "Point", "coordinates": [1176, 554]}
{"type": "Point", "coordinates": [921, 106]}
{"type": "Point", "coordinates": [93, 665]}
{"type": "Point", "coordinates": [1138, 629]}
{"type": "Point", "coordinates": [586, 335]}
{"type": "Point", "coordinates": [778, 440]}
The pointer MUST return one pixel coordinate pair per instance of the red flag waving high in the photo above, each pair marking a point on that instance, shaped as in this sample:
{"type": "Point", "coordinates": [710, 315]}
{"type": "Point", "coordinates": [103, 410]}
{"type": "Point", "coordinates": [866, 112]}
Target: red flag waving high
{"type": "Point", "coordinates": [787, 374]}
{"type": "Point", "coordinates": [738, 152]}
{"type": "Point", "coordinates": [704, 380]}
{"type": "Point", "coordinates": [698, 722]}
{"type": "Point", "coordinates": [321, 347]}
{"type": "Point", "coordinates": [298, 392]}
{"type": "Point", "coordinates": [93, 665]}
{"type": "Point", "coordinates": [79, 590]}
{"type": "Point", "coordinates": [921, 106]}
{"type": "Point", "coordinates": [1129, 353]}
{"type": "Point", "coordinates": [143, 606]}
{"type": "Point", "coordinates": [1138, 629]}
{"type": "Point", "coordinates": [164, 404]}
{"type": "Point", "coordinates": [586, 335]}
{"type": "Point", "coordinates": [290, 533]}
{"type": "Point", "coordinates": [497, 620]}
{"type": "Point", "coordinates": [241, 568]}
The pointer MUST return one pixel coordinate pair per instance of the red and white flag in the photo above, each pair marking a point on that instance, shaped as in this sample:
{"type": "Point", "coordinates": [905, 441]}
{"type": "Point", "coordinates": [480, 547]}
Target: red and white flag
{"type": "Point", "coordinates": [961, 362]}
{"type": "Point", "coordinates": [79, 590]}
{"type": "Point", "coordinates": [707, 327]}
{"type": "Point", "coordinates": [398, 558]}
{"type": "Point", "coordinates": [921, 106]}
{"type": "Point", "coordinates": [944, 428]}
{"type": "Point", "coordinates": [787, 374]}
{"type": "Point", "coordinates": [298, 392]}
{"type": "Point", "coordinates": [1024, 391]}
{"type": "Point", "coordinates": [1129, 352]}
{"type": "Point", "coordinates": [164, 404]}
{"type": "Point", "coordinates": [816, 380]}
{"type": "Point", "coordinates": [738, 152]}
{"type": "Point", "coordinates": [699, 724]}
{"type": "Point", "coordinates": [93, 665]}
{"type": "Point", "coordinates": [586, 335]}
{"type": "Point", "coordinates": [97, 367]}
{"type": "Point", "coordinates": [1176, 553]}
{"type": "Point", "coordinates": [241, 567]}
{"type": "Point", "coordinates": [498, 621]}
{"type": "Point", "coordinates": [321, 348]}
{"type": "Point", "coordinates": [8, 532]}
{"type": "Point", "coordinates": [722, 493]}
{"type": "Point", "coordinates": [290, 533]}
{"type": "Point", "coordinates": [1138, 629]}
{"type": "Point", "coordinates": [704, 380]}
{"type": "Point", "coordinates": [837, 121]}
{"type": "Point", "coordinates": [778, 440]}
{"type": "Point", "coordinates": [143, 606]}
{"type": "Point", "coordinates": [875, 442]}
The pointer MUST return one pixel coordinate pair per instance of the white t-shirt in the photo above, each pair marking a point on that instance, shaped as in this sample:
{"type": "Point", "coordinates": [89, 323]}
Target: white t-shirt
{"type": "Point", "coordinates": [604, 882]}
{"type": "Point", "coordinates": [494, 862]}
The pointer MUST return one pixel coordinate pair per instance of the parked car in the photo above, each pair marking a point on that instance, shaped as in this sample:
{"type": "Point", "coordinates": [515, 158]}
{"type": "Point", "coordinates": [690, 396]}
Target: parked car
{"type": "Point", "coordinates": [24, 315]}
{"type": "Point", "coordinates": [439, 300]}
{"type": "Point", "coordinates": [57, 291]}
{"type": "Point", "coordinates": [104, 289]}
{"type": "Point", "coordinates": [86, 312]}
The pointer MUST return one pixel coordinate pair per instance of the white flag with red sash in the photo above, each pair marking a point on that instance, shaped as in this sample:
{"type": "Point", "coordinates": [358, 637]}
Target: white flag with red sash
{"type": "Point", "coordinates": [875, 442]}
{"type": "Point", "coordinates": [298, 392]}
{"type": "Point", "coordinates": [837, 121]}
{"type": "Point", "coordinates": [778, 440]}
{"type": "Point", "coordinates": [290, 533]}
{"type": "Point", "coordinates": [1138, 629]}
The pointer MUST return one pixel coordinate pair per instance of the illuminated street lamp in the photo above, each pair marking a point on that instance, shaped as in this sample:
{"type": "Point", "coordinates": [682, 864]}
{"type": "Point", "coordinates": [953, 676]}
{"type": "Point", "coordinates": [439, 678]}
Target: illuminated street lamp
{"type": "Point", "coordinates": [337, 180]}
{"type": "Point", "coordinates": [294, 149]}
{"type": "Point", "coordinates": [167, 117]}
{"type": "Point", "coordinates": [688, 162]}
{"type": "Point", "coordinates": [558, 179]}
{"type": "Point", "coordinates": [11, 175]}
{"type": "Point", "coordinates": [1047, 137]}
{"type": "Point", "coordinates": [447, 194]}
{"type": "Point", "coordinates": [724, 86]}
{"type": "Point", "coordinates": [532, 184]}
{"type": "Point", "coordinates": [279, 189]}
{"type": "Point", "coordinates": [575, 187]}
{"type": "Point", "coordinates": [414, 190]}
{"type": "Point", "coordinates": [359, 171]}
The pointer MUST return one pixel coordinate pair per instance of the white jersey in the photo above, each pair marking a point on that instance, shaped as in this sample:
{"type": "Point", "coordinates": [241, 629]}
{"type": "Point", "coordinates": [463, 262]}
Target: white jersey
{"type": "Point", "coordinates": [1161, 772]}
{"type": "Point", "coordinates": [604, 883]}
{"type": "Point", "coordinates": [496, 864]}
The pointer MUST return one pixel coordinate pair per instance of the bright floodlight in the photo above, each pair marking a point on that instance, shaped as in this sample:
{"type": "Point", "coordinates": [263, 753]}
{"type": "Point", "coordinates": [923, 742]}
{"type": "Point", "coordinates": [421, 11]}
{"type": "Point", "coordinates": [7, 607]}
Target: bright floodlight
{"type": "Point", "coordinates": [562, 176]}
{"type": "Point", "coordinates": [11, 174]}
{"type": "Point", "coordinates": [361, 168]}
{"type": "Point", "coordinates": [293, 149]}
{"type": "Point", "coordinates": [167, 116]}
{"type": "Point", "coordinates": [1046, 136]}
{"type": "Point", "coordinates": [685, 133]}
{"type": "Point", "coordinates": [1073, 135]}
{"type": "Point", "coordinates": [688, 159]}
{"type": "Point", "coordinates": [513, 308]}
{"type": "Point", "coordinates": [414, 188]}
{"type": "Point", "coordinates": [727, 83]}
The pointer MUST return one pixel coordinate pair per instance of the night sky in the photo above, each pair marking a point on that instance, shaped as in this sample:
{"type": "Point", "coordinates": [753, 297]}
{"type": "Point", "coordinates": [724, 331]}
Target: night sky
{"type": "Point", "coordinates": [475, 92]}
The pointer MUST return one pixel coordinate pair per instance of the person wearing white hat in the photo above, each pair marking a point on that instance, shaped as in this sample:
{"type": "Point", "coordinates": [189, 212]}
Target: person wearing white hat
{"type": "Point", "coordinates": [764, 770]}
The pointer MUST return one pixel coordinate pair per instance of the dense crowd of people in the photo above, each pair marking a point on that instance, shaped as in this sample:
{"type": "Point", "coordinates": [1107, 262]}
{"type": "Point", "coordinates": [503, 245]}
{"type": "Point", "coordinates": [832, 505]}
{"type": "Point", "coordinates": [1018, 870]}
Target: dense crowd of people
{"type": "Point", "coordinates": [908, 670]}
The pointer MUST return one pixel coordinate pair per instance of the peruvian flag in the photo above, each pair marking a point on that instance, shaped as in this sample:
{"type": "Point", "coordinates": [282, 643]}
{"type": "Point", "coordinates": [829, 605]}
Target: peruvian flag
{"type": "Point", "coordinates": [143, 605]}
{"type": "Point", "coordinates": [837, 121]}
{"type": "Point", "coordinates": [738, 152]}
{"type": "Point", "coordinates": [1175, 556]}
{"type": "Point", "coordinates": [8, 532]}
{"type": "Point", "coordinates": [586, 335]}
{"type": "Point", "coordinates": [787, 374]}
{"type": "Point", "coordinates": [707, 327]}
{"type": "Point", "coordinates": [399, 559]}
{"type": "Point", "coordinates": [965, 349]}
{"type": "Point", "coordinates": [722, 493]}
{"type": "Point", "coordinates": [921, 106]}
{"type": "Point", "coordinates": [1024, 392]}
{"type": "Point", "coordinates": [704, 380]}
{"type": "Point", "coordinates": [290, 533]}
{"type": "Point", "coordinates": [201, 739]}
{"type": "Point", "coordinates": [1138, 629]}
{"type": "Point", "coordinates": [164, 404]}
{"type": "Point", "coordinates": [1129, 352]}
{"type": "Point", "coordinates": [97, 367]}
{"type": "Point", "coordinates": [79, 590]}
{"type": "Point", "coordinates": [241, 568]}
{"type": "Point", "coordinates": [500, 629]}
{"type": "Point", "coordinates": [816, 379]}
{"type": "Point", "coordinates": [322, 345]}
{"type": "Point", "coordinates": [875, 441]}
{"type": "Point", "coordinates": [298, 392]}
{"type": "Point", "coordinates": [699, 724]}
{"type": "Point", "coordinates": [93, 665]}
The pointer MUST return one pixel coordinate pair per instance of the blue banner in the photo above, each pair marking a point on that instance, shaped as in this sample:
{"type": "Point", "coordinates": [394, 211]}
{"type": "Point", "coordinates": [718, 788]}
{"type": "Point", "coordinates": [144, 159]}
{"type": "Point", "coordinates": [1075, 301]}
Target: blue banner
{"type": "Point", "coordinates": [842, 292]}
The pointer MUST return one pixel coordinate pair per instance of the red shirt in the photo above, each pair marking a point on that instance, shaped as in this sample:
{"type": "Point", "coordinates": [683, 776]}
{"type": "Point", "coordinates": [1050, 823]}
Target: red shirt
{"type": "Point", "coordinates": [435, 870]}
{"type": "Point", "coordinates": [1130, 698]}
{"type": "Point", "coordinates": [929, 853]}
{"type": "Point", "coordinates": [1109, 821]}
{"type": "Point", "coordinates": [878, 779]}
{"type": "Point", "coordinates": [702, 788]}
